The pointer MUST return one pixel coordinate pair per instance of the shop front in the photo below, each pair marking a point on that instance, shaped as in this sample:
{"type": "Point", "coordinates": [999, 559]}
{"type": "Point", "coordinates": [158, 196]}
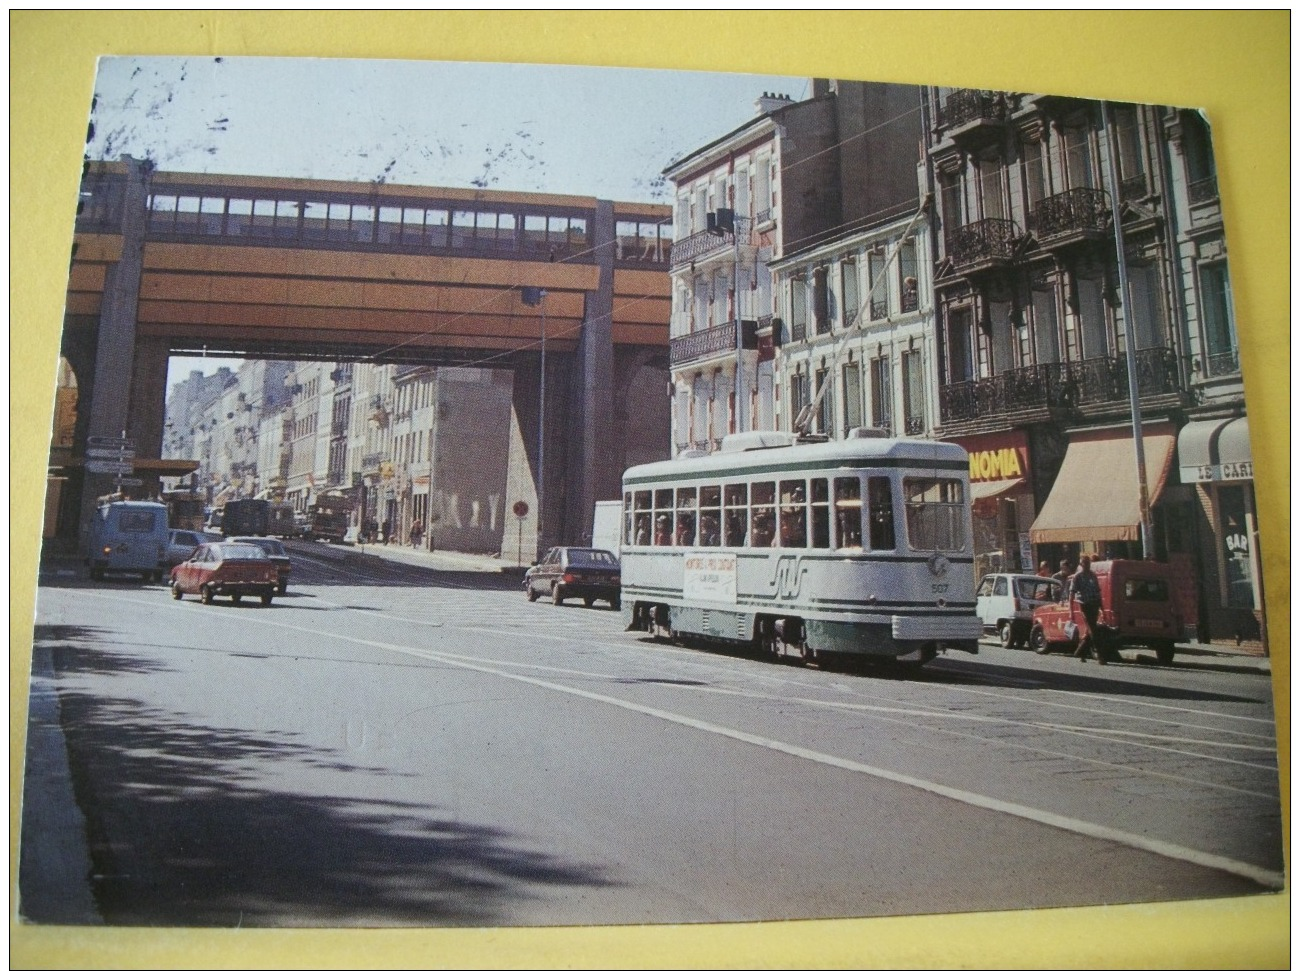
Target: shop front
{"type": "Point", "coordinates": [1002, 502]}
{"type": "Point", "coordinates": [1214, 458]}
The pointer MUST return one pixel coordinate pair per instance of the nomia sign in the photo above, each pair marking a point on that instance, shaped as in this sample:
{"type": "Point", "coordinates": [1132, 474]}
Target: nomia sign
{"type": "Point", "coordinates": [993, 464]}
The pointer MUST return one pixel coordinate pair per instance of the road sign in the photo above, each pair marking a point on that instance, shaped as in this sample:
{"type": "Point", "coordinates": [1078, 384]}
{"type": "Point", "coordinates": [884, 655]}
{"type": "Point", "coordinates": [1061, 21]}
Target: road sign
{"type": "Point", "coordinates": [521, 509]}
{"type": "Point", "coordinates": [110, 467]}
{"type": "Point", "coordinates": [129, 482]}
{"type": "Point", "coordinates": [116, 454]}
{"type": "Point", "coordinates": [108, 441]}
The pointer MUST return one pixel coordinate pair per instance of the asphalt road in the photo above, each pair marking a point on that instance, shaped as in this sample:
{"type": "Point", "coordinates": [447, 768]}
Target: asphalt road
{"type": "Point", "coordinates": [390, 745]}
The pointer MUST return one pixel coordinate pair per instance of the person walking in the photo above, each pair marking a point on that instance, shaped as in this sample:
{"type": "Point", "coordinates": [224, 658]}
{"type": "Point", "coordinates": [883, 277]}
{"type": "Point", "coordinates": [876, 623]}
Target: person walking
{"type": "Point", "coordinates": [1085, 588]}
{"type": "Point", "coordinates": [417, 532]}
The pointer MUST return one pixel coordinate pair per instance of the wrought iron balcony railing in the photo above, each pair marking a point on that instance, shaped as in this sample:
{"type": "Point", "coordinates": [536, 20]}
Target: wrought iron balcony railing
{"type": "Point", "coordinates": [371, 462]}
{"type": "Point", "coordinates": [1067, 385]}
{"type": "Point", "coordinates": [984, 241]}
{"type": "Point", "coordinates": [914, 425]}
{"type": "Point", "coordinates": [909, 301]}
{"type": "Point", "coordinates": [1072, 211]}
{"type": "Point", "coordinates": [712, 342]}
{"type": "Point", "coordinates": [765, 216]}
{"type": "Point", "coordinates": [966, 105]}
{"type": "Point", "coordinates": [1203, 190]}
{"type": "Point", "coordinates": [699, 245]}
{"type": "Point", "coordinates": [1216, 365]}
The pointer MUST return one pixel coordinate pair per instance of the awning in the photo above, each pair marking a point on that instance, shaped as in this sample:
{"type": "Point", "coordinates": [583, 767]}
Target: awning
{"type": "Point", "coordinates": [988, 490]}
{"type": "Point", "coordinates": [1215, 451]}
{"type": "Point", "coordinates": [1095, 497]}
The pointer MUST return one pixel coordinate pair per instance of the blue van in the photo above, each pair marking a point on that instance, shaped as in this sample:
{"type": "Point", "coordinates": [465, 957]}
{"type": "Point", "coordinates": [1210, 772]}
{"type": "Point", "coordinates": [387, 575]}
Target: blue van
{"type": "Point", "coordinates": [129, 537]}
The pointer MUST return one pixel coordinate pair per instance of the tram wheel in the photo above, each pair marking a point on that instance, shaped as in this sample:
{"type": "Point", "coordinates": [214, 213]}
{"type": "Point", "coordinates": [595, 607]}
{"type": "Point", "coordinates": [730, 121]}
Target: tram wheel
{"type": "Point", "coordinates": [766, 642]}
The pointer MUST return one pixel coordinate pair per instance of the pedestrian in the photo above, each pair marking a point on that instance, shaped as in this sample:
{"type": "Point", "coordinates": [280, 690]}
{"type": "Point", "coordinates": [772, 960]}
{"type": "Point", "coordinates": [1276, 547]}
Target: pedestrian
{"type": "Point", "coordinates": [417, 532]}
{"type": "Point", "coordinates": [386, 531]}
{"type": "Point", "coordinates": [1087, 591]}
{"type": "Point", "coordinates": [1044, 570]}
{"type": "Point", "coordinates": [1062, 576]}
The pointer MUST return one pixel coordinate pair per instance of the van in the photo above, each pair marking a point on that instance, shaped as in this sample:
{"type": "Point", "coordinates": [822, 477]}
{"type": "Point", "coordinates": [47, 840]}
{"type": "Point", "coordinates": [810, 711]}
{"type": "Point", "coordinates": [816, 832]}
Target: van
{"type": "Point", "coordinates": [128, 537]}
{"type": "Point", "coordinates": [1139, 608]}
{"type": "Point", "coordinates": [607, 525]}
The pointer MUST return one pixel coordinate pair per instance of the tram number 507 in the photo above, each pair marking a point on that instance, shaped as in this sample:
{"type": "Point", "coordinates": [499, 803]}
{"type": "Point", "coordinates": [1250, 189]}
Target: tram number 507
{"type": "Point", "coordinates": [788, 577]}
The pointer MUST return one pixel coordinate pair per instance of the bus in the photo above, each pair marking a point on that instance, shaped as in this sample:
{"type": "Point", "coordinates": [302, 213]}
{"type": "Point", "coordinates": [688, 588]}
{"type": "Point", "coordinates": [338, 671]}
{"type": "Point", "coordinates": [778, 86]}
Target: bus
{"type": "Point", "coordinates": [816, 550]}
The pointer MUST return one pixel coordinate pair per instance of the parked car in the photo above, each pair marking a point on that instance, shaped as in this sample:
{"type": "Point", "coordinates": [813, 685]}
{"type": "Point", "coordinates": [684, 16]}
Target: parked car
{"type": "Point", "coordinates": [578, 572]}
{"type": "Point", "coordinates": [181, 544]}
{"type": "Point", "coordinates": [1005, 603]}
{"type": "Point", "coordinates": [226, 570]}
{"type": "Point", "coordinates": [275, 552]}
{"type": "Point", "coordinates": [1138, 609]}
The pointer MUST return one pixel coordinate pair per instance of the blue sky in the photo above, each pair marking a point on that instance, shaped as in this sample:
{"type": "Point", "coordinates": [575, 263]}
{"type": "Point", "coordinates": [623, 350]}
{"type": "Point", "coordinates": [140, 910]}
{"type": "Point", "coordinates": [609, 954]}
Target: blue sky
{"type": "Point", "coordinates": [606, 132]}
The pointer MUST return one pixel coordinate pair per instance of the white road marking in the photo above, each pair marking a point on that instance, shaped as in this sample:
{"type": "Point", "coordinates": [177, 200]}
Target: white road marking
{"type": "Point", "coordinates": [1260, 875]}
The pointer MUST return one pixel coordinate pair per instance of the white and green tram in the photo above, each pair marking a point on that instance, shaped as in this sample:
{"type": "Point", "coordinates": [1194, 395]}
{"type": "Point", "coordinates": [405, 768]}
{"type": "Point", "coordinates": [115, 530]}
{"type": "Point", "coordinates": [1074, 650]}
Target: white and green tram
{"type": "Point", "coordinates": [859, 547]}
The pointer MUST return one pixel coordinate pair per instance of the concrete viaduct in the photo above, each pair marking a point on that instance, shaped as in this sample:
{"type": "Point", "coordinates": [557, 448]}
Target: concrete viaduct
{"type": "Point", "coordinates": [168, 264]}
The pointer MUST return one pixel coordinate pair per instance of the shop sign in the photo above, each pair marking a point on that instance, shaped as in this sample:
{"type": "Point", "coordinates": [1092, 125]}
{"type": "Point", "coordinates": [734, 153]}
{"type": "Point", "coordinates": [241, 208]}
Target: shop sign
{"type": "Point", "coordinates": [1226, 472]}
{"type": "Point", "coordinates": [995, 458]}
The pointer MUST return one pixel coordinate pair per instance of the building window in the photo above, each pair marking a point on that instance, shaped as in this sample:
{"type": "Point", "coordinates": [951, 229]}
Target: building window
{"type": "Point", "coordinates": [852, 396]}
{"type": "Point", "coordinates": [826, 407]}
{"type": "Point", "coordinates": [879, 285]}
{"type": "Point", "coordinates": [960, 359]}
{"type": "Point", "coordinates": [1031, 173]}
{"type": "Point", "coordinates": [989, 171]}
{"type": "Point", "coordinates": [1216, 310]}
{"type": "Point", "coordinates": [908, 285]}
{"type": "Point", "coordinates": [849, 288]}
{"type": "Point", "coordinates": [1128, 144]}
{"type": "Point", "coordinates": [1092, 318]}
{"type": "Point", "coordinates": [1043, 305]}
{"type": "Point", "coordinates": [1146, 307]}
{"type": "Point", "coordinates": [914, 392]}
{"type": "Point", "coordinates": [798, 309]}
{"type": "Point", "coordinates": [798, 396]}
{"type": "Point", "coordinates": [1198, 155]}
{"type": "Point", "coordinates": [1079, 171]}
{"type": "Point", "coordinates": [881, 394]}
{"type": "Point", "coordinates": [821, 301]}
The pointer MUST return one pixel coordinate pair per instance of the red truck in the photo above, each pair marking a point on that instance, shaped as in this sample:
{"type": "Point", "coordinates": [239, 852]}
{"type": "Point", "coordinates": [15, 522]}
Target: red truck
{"type": "Point", "coordinates": [1138, 609]}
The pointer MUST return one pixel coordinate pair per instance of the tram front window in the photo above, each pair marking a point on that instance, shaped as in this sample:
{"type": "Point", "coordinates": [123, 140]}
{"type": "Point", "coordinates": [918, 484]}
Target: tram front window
{"type": "Point", "coordinates": [935, 514]}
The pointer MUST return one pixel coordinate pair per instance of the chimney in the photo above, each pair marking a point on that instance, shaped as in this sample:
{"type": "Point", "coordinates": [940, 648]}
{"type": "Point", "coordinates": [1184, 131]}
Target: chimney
{"type": "Point", "coordinates": [771, 101]}
{"type": "Point", "coordinates": [821, 87]}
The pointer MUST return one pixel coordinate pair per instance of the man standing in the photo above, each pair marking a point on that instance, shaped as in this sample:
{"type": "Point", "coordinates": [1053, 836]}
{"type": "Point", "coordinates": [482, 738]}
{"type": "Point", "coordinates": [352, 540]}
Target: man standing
{"type": "Point", "coordinates": [1085, 588]}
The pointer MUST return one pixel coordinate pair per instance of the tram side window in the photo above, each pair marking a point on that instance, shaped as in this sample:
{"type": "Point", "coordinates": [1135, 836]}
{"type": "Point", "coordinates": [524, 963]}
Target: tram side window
{"type": "Point", "coordinates": [848, 514]}
{"type": "Point", "coordinates": [762, 530]}
{"type": "Point", "coordinates": [663, 517]}
{"type": "Point", "coordinates": [935, 514]}
{"type": "Point", "coordinates": [880, 507]}
{"type": "Point", "coordinates": [821, 515]}
{"type": "Point", "coordinates": [794, 513]}
{"type": "Point", "coordinates": [642, 517]}
{"type": "Point", "coordinates": [686, 507]}
{"type": "Point", "coordinates": [737, 521]}
{"type": "Point", "coordinates": [710, 515]}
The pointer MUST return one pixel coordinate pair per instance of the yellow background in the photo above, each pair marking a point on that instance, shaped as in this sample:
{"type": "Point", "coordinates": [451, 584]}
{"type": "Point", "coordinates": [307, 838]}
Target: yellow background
{"type": "Point", "coordinates": [1235, 65]}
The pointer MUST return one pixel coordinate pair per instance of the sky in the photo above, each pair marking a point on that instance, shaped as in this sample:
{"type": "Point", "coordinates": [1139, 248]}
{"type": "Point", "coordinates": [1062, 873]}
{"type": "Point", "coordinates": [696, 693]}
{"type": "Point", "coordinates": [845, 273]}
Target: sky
{"type": "Point", "coordinates": [605, 132]}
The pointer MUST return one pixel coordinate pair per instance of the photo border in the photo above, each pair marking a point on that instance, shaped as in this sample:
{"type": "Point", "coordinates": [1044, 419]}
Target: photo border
{"type": "Point", "coordinates": [1235, 65]}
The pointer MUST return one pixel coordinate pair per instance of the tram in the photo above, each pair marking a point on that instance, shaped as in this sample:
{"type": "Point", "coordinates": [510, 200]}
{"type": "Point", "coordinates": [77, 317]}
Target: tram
{"type": "Point", "coordinates": [813, 549]}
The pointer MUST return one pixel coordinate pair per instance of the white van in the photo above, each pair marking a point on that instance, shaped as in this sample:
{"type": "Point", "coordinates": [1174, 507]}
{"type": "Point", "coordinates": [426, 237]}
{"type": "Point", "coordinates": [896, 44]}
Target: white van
{"type": "Point", "coordinates": [607, 525]}
{"type": "Point", "coordinates": [129, 537]}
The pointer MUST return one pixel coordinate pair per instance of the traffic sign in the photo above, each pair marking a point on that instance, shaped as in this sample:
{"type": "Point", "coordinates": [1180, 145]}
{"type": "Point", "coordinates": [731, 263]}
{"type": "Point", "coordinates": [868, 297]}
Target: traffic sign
{"type": "Point", "coordinates": [108, 441]}
{"type": "Point", "coordinates": [129, 482]}
{"type": "Point", "coordinates": [109, 467]}
{"type": "Point", "coordinates": [521, 509]}
{"type": "Point", "coordinates": [110, 453]}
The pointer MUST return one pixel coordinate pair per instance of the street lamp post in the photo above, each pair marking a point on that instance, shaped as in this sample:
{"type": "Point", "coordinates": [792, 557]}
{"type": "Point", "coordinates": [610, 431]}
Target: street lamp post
{"type": "Point", "coordinates": [532, 297]}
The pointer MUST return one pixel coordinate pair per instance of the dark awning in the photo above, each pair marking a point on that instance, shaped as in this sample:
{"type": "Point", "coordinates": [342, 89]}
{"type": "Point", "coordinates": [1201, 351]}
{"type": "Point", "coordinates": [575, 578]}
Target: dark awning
{"type": "Point", "coordinates": [1095, 498]}
{"type": "Point", "coordinates": [1215, 450]}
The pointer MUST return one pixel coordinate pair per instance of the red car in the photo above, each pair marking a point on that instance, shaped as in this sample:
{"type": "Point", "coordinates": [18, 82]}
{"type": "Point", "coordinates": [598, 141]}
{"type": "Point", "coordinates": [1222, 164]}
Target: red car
{"type": "Point", "coordinates": [1138, 609]}
{"type": "Point", "coordinates": [227, 570]}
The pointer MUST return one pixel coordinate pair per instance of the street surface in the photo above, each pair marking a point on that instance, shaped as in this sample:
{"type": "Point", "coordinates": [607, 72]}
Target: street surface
{"type": "Point", "coordinates": [392, 745]}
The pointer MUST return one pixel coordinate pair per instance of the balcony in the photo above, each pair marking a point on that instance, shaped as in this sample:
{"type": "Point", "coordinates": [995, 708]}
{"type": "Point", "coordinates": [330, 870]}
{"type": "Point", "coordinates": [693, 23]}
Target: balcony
{"type": "Point", "coordinates": [713, 342]}
{"type": "Point", "coordinates": [972, 112]}
{"type": "Point", "coordinates": [1072, 216]}
{"type": "Point", "coordinates": [914, 426]}
{"type": "Point", "coordinates": [984, 245]}
{"type": "Point", "coordinates": [1203, 190]}
{"type": "Point", "coordinates": [1221, 365]}
{"type": "Point", "coordinates": [699, 246]}
{"type": "Point", "coordinates": [1062, 386]}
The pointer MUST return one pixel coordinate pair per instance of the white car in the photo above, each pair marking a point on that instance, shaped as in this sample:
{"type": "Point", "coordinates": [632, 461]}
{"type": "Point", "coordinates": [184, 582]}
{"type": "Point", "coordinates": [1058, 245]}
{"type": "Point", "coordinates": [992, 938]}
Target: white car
{"type": "Point", "coordinates": [1005, 603]}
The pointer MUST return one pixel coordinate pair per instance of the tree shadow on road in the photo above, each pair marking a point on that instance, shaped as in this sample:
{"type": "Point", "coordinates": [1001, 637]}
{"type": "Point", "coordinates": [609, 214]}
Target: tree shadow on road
{"type": "Point", "coordinates": [185, 828]}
